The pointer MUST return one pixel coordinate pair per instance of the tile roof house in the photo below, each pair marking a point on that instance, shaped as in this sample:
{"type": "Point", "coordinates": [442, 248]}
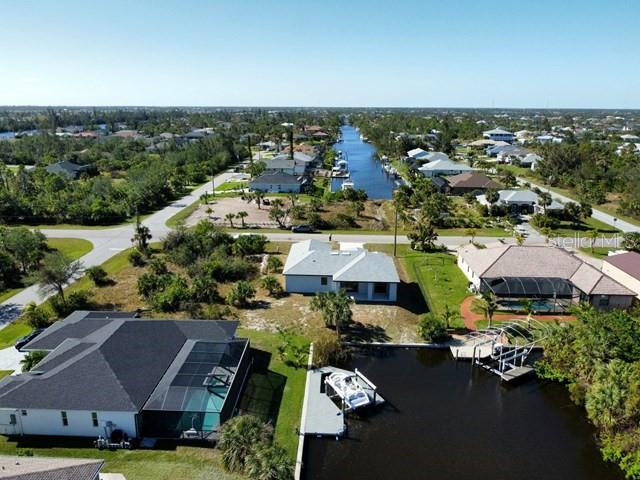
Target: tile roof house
{"type": "Point", "coordinates": [312, 266]}
{"type": "Point", "coordinates": [110, 370]}
{"type": "Point", "coordinates": [625, 269]}
{"type": "Point", "coordinates": [545, 273]}
{"type": "Point", "coordinates": [469, 182]}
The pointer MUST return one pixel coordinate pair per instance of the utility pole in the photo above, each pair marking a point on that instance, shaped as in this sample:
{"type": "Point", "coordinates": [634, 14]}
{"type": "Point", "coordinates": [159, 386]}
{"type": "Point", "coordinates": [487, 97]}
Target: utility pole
{"type": "Point", "coordinates": [395, 233]}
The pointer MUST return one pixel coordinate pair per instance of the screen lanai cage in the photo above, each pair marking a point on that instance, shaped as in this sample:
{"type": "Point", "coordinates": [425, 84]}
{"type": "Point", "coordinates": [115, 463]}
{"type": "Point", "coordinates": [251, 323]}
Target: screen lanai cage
{"type": "Point", "coordinates": [548, 295]}
{"type": "Point", "coordinates": [199, 392]}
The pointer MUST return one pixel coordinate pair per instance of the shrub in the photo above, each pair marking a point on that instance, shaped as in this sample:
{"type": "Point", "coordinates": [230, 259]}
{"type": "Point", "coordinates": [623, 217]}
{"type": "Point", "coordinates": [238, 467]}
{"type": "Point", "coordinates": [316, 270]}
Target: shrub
{"type": "Point", "coordinates": [98, 275]}
{"type": "Point", "coordinates": [204, 289]}
{"type": "Point", "coordinates": [75, 301]}
{"type": "Point", "coordinates": [249, 244]}
{"type": "Point", "coordinates": [239, 437]}
{"type": "Point", "coordinates": [136, 258]}
{"type": "Point", "coordinates": [241, 294]}
{"type": "Point", "coordinates": [272, 285]}
{"type": "Point", "coordinates": [269, 462]}
{"type": "Point", "coordinates": [342, 220]}
{"type": "Point", "coordinates": [329, 350]}
{"type": "Point", "coordinates": [431, 329]}
{"type": "Point", "coordinates": [215, 312]}
{"type": "Point", "coordinates": [158, 266]}
{"type": "Point", "coordinates": [291, 350]}
{"type": "Point", "coordinates": [274, 264]}
{"type": "Point", "coordinates": [36, 316]}
{"type": "Point", "coordinates": [540, 220]}
{"type": "Point", "coordinates": [149, 284]}
{"type": "Point", "coordinates": [172, 297]}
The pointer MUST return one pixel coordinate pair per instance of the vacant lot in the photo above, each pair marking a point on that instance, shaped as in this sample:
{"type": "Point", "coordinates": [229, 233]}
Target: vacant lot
{"type": "Point", "coordinates": [223, 206]}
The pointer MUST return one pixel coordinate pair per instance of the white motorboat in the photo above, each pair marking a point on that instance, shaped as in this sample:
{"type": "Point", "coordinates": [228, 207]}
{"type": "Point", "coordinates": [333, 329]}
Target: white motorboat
{"type": "Point", "coordinates": [347, 185]}
{"type": "Point", "coordinates": [348, 389]}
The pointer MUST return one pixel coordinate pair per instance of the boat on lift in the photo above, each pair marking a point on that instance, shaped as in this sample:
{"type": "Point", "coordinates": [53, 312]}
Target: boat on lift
{"type": "Point", "coordinates": [346, 185]}
{"type": "Point", "coordinates": [348, 389]}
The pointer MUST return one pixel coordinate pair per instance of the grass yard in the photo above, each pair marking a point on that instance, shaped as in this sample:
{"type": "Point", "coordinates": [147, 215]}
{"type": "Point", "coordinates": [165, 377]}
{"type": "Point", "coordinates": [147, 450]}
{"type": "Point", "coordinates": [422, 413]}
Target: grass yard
{"type": "Point", "coordinates": [4, 373]}
{"type": "Point", "coordinates": [181, 217]}
{"type": "Point", "coordinates": [7, 294]}
{"type": "Point", "coordinates": [73, 248]}
{"type": "Point", "coordinates": [274, 390]}
{"type": "Point", "coordinates": [196, 463]}
{"type": "Point", "coordinates": [438, 275]}
{"type": "Point", "coordinates": [598, 252]}
{"type": "Point", "coordinates": [566, 229]}
{"type": "Point", "coordinates": [232, 185]}
{"type": "Point", "coordinates": [12, 332]}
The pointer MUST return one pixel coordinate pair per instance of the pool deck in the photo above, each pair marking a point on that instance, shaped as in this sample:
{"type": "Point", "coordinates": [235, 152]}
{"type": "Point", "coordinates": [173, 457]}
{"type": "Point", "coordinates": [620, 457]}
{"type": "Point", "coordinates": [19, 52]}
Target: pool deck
{"type": "Point", "coordinates": [322, 417]}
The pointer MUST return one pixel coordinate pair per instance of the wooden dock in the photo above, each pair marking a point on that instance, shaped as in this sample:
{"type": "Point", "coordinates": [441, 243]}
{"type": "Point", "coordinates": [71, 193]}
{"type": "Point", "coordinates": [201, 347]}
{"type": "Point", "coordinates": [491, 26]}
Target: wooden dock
{"type": "Point", "coordinates": [516, 373]}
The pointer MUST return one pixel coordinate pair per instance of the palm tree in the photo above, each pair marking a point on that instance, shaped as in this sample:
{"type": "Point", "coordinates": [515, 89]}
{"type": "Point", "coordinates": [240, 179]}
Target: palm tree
{"type": "Point", "coordinates": [488, 305]}
{"type": "Point", "coordinates": [141, 237]}
{"type": "Point", "coordinates": [259, 198]}
{"type": "Point", "coordinates": [546, 231]}
{"type": "Point", "coordinates": [272, 285]}
{"type": "Point", "coordinates": [592, 235]}
{"type": "Point", "coordinates": [335, 308]}
{"type": "Point", "coordinates": [230, 217]}
{"type": "Point", "coordinates": [527, 307]}
{"type": "Point", "coordinates": [293, 198]}
{"type": "Point", "coordinates": [544, 200]}
{"type": "Point", "coordinates": [242, 215]}
{"type": "Point", "coordinates": [519, 239]}
{"type": "Point", "coordinates": [239, 436]}
{"type": "Point", "coordinates": [448, 315]}
{"type": "Point", "coordinates": [31, 359]}
{"type": "Point", "coordinates": [269, 462]}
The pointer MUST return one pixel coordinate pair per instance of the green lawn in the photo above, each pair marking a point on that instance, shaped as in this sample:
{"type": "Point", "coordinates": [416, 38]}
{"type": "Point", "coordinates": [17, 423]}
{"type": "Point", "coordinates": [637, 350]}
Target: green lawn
{"type": "Point", "coordinates": [4, 373]}
{"type": "Point", "coordinates": [598, 252]}
{"type": "Point", "coordinates": [180, 217]}
{"type": "Point", "coordinates": [289, 405]}
{"type": "Point", "coordinates": [72, 247]}
{"type": "Point", "coordinates": [566, 229]}
{"type": "Point", "coordinates": [12, 332]}
{"type": "Point", "coordinates": [232, 185]}
{"type": "Point", "coordinates": [7, 294]}
{"type": "Point", "coordinates": [441, 281]}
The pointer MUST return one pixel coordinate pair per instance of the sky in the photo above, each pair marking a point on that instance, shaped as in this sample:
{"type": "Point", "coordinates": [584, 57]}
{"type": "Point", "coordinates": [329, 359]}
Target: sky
{"type": "Point", "coordinates": [342, 53]}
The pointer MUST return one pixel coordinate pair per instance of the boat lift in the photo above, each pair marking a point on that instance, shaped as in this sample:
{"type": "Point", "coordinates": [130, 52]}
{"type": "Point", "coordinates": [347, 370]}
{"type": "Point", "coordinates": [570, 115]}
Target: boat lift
{"type": "Point", "coordinates": [502, 349]}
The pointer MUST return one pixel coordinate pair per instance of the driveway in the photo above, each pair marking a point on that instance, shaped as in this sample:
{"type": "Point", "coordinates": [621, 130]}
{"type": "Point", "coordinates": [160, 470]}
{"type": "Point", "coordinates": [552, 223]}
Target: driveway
{"type": "Point", "coordinates": [10, 359]}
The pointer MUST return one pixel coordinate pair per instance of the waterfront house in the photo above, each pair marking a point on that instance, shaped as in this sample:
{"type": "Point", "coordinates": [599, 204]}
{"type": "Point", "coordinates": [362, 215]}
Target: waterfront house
{"type": "Point", "coordinates": [551, 276]}
{"type": "Point", "coordinates": [277, 182]}
{"type": "Point", "coordinates": [312, 266]}
{"type": "Point", "coordinates": [109, 370]}
{"type": "Point", "coordinates": [443, 167]}
{"type": "Point", "coordinates": [625, 269]}
{"type": "Point", "coordinates": [467, 182]}
{"type": "Point", "coordinates": [520, 201]}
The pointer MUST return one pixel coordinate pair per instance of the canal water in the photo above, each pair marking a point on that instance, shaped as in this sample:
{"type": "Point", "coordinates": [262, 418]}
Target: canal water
{"type": "Point", "coordinates": [366, 171]}
{"type": "Point", "coordinates": [446, 421]}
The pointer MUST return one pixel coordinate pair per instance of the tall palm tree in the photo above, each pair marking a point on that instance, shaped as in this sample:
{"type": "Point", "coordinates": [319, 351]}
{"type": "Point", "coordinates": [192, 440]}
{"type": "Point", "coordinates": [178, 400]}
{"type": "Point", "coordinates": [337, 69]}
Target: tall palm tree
{"type": "Point", "coordinates": [335, 308]}
{"type": "Point", "coordinates": [592, 235]}
{"type": "Point", "coordinates": [242, 215]}
{"type": "Point", "coordinates": [488, 305]}
{"type": "Point", "coordinates": [259, 198]}
{"type": "Point", "coordinates": [230, 217]}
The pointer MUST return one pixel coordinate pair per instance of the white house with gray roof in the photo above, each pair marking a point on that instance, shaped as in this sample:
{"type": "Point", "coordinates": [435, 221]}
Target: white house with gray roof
{"type": "Point", "coordinates": [443, 167]}
{"type": "Point", "coordinates": [520, 201]}
{"type": "Point", "coordinates": [549, 275]}
{"type": "Point", "coordinates": [312, 266]}
{"type": "Point", "coordinates": [107, 371]}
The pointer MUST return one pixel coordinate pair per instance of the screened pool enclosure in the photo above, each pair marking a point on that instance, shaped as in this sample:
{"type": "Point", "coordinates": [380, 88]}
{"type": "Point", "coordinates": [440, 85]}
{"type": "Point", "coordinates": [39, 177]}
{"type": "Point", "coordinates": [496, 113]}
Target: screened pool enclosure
{"type": "Point", "coordinates": [199, 390]}
{"type": "Point", "coordinates": [547, 294]}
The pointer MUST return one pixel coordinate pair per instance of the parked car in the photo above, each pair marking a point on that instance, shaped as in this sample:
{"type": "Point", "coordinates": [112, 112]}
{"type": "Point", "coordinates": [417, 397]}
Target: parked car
{"type": "Point", "coordinates": [302, 229]}
{"type": "Point", "coordinates": [27, 338]}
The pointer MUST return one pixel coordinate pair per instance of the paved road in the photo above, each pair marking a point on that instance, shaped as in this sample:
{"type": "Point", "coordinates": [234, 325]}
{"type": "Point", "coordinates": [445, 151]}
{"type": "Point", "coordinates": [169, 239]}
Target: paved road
{"type": "Point", "coordinates": [597, 214]}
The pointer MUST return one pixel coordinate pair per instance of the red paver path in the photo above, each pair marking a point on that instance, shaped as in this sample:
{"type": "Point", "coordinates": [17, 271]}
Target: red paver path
{"type": "Point", "coordinates": [470, 318]}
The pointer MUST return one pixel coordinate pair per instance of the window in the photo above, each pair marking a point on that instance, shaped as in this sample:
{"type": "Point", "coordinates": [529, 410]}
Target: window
{"type": "Point", "coordinates": [65, 420]}
{"type": "Point", "coordinates": [604, 301]}
{"type": "Point", "coordinates": [350, 286]}
{"type": "Point", "coordinates": [94, 418]}
{"type": "Point", "coordinates": [380, 288]}
{"type": "Point", "coordinates": [323, 280]}
{"type": "Point", "coordinates": [24, 413]}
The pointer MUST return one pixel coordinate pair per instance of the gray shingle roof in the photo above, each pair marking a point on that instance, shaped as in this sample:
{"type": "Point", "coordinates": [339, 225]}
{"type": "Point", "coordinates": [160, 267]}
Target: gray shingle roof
{"type": "Point", "coordinates": [113, 367]}
{"type": "Point", "coordinates": [276, 179]}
